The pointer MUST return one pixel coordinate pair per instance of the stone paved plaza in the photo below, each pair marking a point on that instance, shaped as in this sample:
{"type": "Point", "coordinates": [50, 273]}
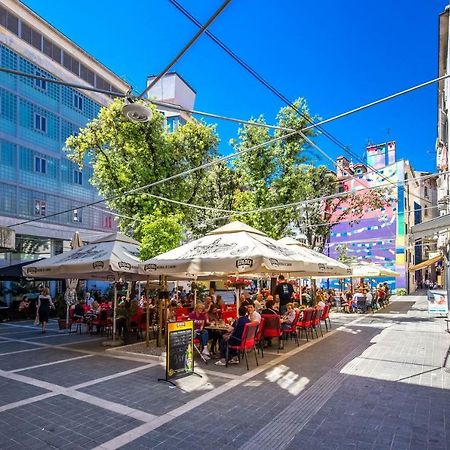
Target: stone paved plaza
{"type": "Point", "coordinates": [376, 381]}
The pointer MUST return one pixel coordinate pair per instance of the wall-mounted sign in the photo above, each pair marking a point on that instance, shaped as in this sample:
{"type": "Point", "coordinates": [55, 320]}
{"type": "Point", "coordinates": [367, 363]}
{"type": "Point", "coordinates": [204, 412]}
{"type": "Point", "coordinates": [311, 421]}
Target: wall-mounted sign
{"type": "Point", "coordinates": [7, 239]}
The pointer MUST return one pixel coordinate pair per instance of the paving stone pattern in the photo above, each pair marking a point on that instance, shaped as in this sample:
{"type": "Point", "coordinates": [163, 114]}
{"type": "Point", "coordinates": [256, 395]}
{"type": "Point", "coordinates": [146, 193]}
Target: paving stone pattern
{"type": "Point", "coordinates": [59, 423]}
{"type": "Point", "coordinates": [12, 391]}
{"type": "Point", "coordinates": [142, 391]}
{"type": "Point", "coordinates": [379, 381]}
{"type": "Point", "coordinates": [75, 372]}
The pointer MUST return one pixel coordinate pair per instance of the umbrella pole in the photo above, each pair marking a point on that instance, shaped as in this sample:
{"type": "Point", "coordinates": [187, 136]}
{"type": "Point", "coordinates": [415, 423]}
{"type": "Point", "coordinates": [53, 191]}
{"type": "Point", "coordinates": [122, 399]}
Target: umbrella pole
{"type": "Point", "coordinates": [147, 315]}
{"type": "Point", "coordinates": [115, 311]}
{"type": "Point", "coordinates": [160, 318]}
{"type": "Point", "coordinates": [195, 292]}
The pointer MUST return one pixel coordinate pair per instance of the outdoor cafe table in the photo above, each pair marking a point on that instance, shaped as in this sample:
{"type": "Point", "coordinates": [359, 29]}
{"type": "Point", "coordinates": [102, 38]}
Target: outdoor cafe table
{"type": "Point", "coordinates": [220, 328]}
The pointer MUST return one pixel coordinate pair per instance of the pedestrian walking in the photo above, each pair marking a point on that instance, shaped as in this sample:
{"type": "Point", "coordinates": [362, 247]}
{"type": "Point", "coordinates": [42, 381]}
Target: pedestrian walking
{"type": "Point", "coordinates": [44, 304]}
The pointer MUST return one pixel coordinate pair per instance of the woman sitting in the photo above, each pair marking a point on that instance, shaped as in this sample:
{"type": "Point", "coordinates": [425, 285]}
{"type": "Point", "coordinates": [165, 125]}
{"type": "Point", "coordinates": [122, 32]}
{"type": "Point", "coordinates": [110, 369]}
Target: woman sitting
{"type": "Point", "coordinates": [199, 318]}
{"type": "Point", "coordinates": [270, 307]}
{"type": "Point", "coordinates": [287, 319]}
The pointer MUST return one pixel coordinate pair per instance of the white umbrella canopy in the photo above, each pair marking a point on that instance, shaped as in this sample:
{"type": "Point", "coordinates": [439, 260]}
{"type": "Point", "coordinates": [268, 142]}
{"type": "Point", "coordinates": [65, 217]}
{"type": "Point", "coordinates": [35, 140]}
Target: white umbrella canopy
{"type": "Point", "coordinates": [326, 266]}
{"type": "Point", "coordinates": [367, 270]}
{"type": "Point", "coordinates": [235, 248]}
{"type": "Point", "coordinates": [110, 258]}
{"type": "Point", "coordinates": [364, 270]}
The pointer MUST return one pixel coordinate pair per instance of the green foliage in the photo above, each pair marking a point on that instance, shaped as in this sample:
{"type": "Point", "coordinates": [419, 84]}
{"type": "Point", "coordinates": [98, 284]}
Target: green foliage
{"type": "Point", "coordinates": [343, 257]}
{"type": "Point", "coordinates": [125, 155]}
{"type": "Point", "coordinates": [159, 233]}
{"type": "Point", "coordinates": [401, 291]}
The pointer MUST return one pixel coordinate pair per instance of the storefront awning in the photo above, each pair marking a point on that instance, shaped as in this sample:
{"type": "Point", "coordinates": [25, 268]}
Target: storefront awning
{"type": "Point", "coordinates": [426, 263]}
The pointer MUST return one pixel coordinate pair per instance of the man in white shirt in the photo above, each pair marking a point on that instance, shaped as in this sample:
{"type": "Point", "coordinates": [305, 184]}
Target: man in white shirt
{"type": "Point", "coordinates": [252, 314]}
{"type": "Point", "coordinates": [356, 296]}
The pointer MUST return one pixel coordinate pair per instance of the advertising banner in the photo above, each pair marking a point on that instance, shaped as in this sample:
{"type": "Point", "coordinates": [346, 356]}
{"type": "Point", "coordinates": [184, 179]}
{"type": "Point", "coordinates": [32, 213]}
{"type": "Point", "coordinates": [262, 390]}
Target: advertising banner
{"type": "Point", "coordinates": [437, 302]}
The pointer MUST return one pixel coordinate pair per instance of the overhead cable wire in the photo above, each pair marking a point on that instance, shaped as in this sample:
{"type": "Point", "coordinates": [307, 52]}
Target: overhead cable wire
{"type": "Point", "coordinates": [158, 182]}
{"type": "Point", "coordinates": [317, 125]}
{"type": "Point", "coordinates": [203, 166]}
{"type": "Point", "coordinates": [195, 112]}
{"type": "Point", "coordinates": [203, 28]}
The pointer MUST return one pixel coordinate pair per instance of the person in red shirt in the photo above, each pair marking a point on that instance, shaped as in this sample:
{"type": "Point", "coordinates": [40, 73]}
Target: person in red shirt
{"type": "Point", "coordinates": [199, 318]}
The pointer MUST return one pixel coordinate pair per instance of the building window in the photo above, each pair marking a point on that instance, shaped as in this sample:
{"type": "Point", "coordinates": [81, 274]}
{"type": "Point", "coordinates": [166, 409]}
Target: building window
{"type": "Point", "coordinates": [107, 222]}
{"type": "Point", "coordinates": [425, 191]}
{"type": "Point", "coordinates": [40, 165]}
{"type": "Point", "coordinates": [78, 102]}
{"type": "Point", "coordinates": [40, 208]}
{"type": "Point", "coordinates": [77, 216]}
{"type": "Point", "coordinates": [40, 123]}
{"type": "Point", "coordinates": [77, 177]}
{"type": "Point", "coordinates": [425, 210]}
{"type": "Point", "coordinates": [40, 84]}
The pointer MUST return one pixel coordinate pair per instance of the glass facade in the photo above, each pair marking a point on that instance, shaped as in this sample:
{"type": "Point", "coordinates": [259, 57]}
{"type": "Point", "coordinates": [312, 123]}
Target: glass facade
{"type": "Point", "coordinates": [36, 178]}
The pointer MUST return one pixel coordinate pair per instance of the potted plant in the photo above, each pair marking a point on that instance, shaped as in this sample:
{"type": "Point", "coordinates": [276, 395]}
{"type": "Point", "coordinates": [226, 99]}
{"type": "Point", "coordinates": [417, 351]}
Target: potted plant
{"type": "Point", "coordinates": [61, 311]}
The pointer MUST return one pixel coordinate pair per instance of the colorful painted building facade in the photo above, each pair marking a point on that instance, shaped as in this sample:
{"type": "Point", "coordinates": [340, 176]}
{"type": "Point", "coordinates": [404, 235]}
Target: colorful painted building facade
{"type": "Point", "coordinates": [380, 236]}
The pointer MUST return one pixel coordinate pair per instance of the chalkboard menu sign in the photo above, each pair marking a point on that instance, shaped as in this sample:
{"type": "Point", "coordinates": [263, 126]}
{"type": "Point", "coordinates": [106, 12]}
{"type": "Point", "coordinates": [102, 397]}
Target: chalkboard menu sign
{"type": "Point", "coordinates": [179, 348]}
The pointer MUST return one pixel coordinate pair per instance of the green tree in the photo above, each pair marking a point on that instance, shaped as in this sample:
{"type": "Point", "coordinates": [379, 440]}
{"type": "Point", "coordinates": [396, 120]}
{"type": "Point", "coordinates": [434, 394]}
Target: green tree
{"type": "Point", "coordinates": [284, 172]}
{"type": "Point", "coordinates": [126, 155]}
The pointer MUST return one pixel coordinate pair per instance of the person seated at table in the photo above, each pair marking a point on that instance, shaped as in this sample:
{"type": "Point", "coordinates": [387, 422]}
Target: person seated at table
{"type": "Point", "coordinates": [358, 296]}
{"type": "Point", "coordinates": [243, 301]}
{"type": "Point", "coordinates": [219, 302]}
{"type": "Point", "coordinates": [213, 318]}
{"type": "Point", "coordinates": [24, 304]}
{"type": "Point", "coordinates": [233, 338]}
{"type": "Point", "coordinates": [258, 302]}
{"type": "Point", "coordinates": [253, 315]}
{"type": "Point", "coordinates": [95, 307]}
{"type": "Point", "coordinates": [172, 311]}
{"type": "Point", "coordinates": [207, 304]}
{"type": "Point", "coordinates": [199, 318]}
{"type": "Point", "coordinates": [369, 298]}
{"type": "Point", "coordinates": [78, 312]}
{"type": "Point", "coordinates": [287, 319]}
{"type": "Point", "coordinates": [270, 307]}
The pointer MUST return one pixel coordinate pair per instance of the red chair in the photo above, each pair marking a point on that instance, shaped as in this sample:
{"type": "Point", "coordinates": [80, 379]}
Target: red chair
{"type": "Point", "coordinates": [305, 323]}
{"type": "Point", "coordinates": [181, 311]}
{"type": "Point", "coordinates": [315, 321]}
{"type": "Point", "coordinates": [229, 315]}
{"type": "Point", "coordinates": [247, 342]}
{"type": "Point", "coordinates": [101, 321]}
{"type": "Point", "coordinates": [272, 328]}
{"type": "Point", "coordinates": [259, 339]}
{"type": "Point", "coordinates": [326, 316]}
{"type": "Point", "coordinates": [77, 321]}
{"type": "Point", "coordinates": [292, 330]}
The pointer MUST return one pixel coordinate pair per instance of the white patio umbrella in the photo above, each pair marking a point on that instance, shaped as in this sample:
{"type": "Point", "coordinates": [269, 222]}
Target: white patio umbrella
{"type": "Point", "coordinates": [367, 270]}
{"type": "Point", "coordinates": [112, 258]}
{"type": "Point", "coordinates": [325, 265]}
{"type": "Point", "coordinates": [233, 249]}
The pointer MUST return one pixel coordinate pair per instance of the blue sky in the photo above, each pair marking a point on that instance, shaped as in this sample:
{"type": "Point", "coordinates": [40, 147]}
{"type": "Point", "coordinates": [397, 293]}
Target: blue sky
{"type": "Point", "coordinates": [338, 55]}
